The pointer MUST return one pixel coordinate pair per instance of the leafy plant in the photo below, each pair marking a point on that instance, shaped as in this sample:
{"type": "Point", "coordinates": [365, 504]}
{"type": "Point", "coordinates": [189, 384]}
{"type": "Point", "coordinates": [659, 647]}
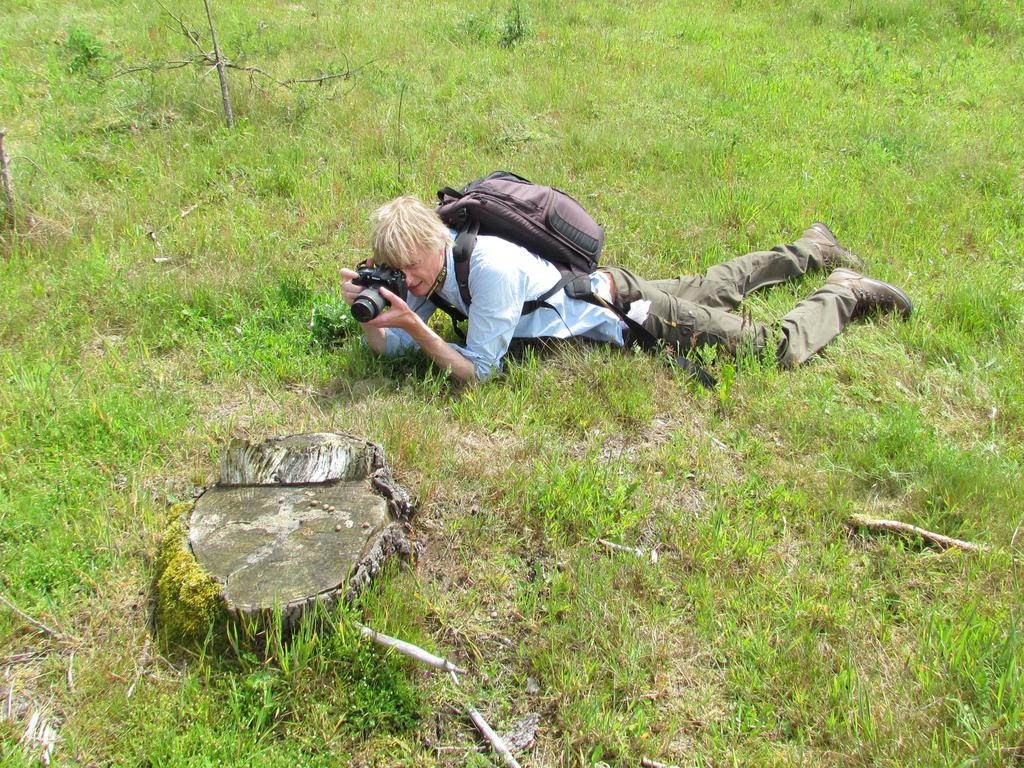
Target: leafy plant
{"type": "Point", "coordinates": [84, 48]}
{"type": "Point", "coordinates": [513, 27]}
{"type": "Point", "coordinates": [726, 377]}
{"type": "Point", "coordinates": [331, 323]}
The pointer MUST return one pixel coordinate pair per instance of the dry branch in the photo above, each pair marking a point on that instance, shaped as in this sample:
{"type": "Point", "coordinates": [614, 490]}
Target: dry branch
{"type": "Point", "coordinates": [492, 737]}
{"type": "Point", "coordinates": [36, 624]}
{"type": "Point", "coordinates": [157, 66]}
{"type": "Point", "coordinates": [408, 649]}
{"type": "Point", "coordinates": [5, 179]}
{"type": "Point", "coordinates": [653, 556]}
{"type": "Point", "coordinates": [189, 33]}
{"type": "Point", "coordinates": [210, 60]}
{"type": "Point", "coordinates": [648, 763]}
{"type": "Point", "coordinates": [496, 742]}
{"type": "Point", "coordinates": [221, 71]}
{"type": "Point", "coordinates": [895, 526]}
{"type": "Point", "coordinates": [20, 658]}
{"type": "Point", "coordinates": [140, 667]}
{"type": "Point", "coordinates": [153, 233]}
{"type": "Point", "coordinates": [69, 676]}
{"type": "Point", "coordinates": [425, 657]}
{"type": "Point", "coordinates": [40, 734]}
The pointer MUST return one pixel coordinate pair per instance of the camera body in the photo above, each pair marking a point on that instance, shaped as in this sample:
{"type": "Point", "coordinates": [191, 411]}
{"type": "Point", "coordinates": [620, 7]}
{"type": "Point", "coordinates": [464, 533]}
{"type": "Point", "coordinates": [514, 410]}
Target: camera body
{"type": "Point", "coordinates": [369, 303]}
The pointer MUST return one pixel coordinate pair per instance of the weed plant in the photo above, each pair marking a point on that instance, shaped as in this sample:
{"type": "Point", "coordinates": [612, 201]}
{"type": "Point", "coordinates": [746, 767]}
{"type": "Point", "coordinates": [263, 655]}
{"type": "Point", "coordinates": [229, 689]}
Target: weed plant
{"type": "Point", "coordinates": [172, 283]}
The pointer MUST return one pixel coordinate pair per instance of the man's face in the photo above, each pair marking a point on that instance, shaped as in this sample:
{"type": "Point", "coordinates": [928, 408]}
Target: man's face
{"type": "Point", "coordinates": [423, 271]}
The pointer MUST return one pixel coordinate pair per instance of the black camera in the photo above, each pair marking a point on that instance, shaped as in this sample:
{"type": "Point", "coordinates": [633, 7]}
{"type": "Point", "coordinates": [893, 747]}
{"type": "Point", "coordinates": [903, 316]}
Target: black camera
{"type": "Point", "coordinates": [369, 303]}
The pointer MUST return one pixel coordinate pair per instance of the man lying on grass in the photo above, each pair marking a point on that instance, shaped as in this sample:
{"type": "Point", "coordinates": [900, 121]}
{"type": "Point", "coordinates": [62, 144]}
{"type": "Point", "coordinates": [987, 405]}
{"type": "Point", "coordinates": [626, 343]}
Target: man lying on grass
{"type": "Point", "coordinates": [682, 312]}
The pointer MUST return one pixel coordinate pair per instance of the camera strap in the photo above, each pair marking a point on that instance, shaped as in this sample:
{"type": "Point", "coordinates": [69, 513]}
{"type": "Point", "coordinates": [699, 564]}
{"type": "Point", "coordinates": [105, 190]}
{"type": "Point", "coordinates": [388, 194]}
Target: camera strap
{"type": "Point", "coordinates": [441, 276]}
{"type": "Point", "coordinates": [445, 306]}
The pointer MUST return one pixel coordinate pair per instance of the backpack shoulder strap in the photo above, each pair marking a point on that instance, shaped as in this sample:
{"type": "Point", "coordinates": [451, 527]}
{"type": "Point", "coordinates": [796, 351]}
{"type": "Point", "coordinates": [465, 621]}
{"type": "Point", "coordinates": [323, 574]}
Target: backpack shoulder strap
{"type": "Point", "coordinates": [457, 318]}
{"type": "Point", "coordinates": [542, 301]}
{"type": "Point", "coordinates": [465, 242]}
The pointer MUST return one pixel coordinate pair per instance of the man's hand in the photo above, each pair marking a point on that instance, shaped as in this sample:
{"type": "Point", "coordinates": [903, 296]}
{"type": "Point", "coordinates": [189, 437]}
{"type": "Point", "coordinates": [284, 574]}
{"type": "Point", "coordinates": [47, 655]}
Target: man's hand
{"type": "Point", "coordinates": [349, 290]}
{"type": "Point", "coordinates": [398, 315]}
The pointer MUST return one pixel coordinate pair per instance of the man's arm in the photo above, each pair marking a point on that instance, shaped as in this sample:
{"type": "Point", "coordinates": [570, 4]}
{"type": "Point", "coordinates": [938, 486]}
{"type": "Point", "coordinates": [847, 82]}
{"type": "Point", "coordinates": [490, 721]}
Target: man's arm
{"type": "Point", "coordinates": [400, 316]}
{"type": "Point", "coordinates": [433, 346]}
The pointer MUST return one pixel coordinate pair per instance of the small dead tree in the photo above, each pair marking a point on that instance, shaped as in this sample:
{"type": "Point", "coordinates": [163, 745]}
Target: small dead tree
{"type": "Point", "coordinates": [215, 58]}
{"type": "Point", "coordinates": [221, 70]}
{"type": "Point", "coordinates": [5, 180]}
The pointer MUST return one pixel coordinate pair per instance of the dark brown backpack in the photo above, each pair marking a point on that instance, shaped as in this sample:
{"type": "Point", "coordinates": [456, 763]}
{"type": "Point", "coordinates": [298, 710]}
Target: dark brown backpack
{"type": "Point", "coordinates": [546, 222]}
{"type": "Point", "coordinates": [543, 220]}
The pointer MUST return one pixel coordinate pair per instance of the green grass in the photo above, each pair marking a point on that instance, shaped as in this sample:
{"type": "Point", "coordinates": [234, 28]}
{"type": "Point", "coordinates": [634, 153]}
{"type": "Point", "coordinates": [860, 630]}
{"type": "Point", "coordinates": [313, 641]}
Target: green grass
{"type": "Point", "coordinates": [767, 633]}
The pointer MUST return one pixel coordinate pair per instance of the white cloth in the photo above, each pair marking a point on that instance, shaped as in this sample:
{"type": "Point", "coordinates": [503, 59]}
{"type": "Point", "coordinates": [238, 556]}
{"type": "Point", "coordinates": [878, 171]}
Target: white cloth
{"type": "Point", "coordinates": [502, 277]}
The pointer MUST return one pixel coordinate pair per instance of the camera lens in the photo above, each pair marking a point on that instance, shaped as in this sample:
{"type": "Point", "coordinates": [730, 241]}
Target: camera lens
{"type": "Point", "coordinates": [368, 304]}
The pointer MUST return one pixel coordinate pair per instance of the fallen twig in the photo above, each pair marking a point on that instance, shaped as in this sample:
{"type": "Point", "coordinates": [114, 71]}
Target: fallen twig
{"type": "Point", "coordinates": [410, 650]}
{"type": "Point", "coordinates": [895, 526]}
{"type": "Point", "coordinates": [652, 556]}
{"type": "Point", "coordinates": [38, 625]}
{"type": "Point", "coordinates": [496, 742]}
{"type": "Point", "coordinates": [425, 657]}
{"type": "Point", "coordinates": [488, 733]}
{"type": "Point", "coordinates": [39, 734]}
{"type": "Point", "coordinates": [141, 667]}
{"type": "Point", "coordinates": [21, 658]}
{"type": "Point", "coordinates": [70, 675]}
{"type": "Point", "coordinates": [153, 233]}
{"type": "Point", "coordinates": [648, 763]}
{"type": "Point", "coordinates": [5, 180]}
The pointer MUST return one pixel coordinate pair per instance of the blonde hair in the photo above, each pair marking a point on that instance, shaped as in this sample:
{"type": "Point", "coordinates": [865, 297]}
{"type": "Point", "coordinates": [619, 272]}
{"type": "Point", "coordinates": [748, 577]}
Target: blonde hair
{"type": "Point", "coordinates": [402, 229]}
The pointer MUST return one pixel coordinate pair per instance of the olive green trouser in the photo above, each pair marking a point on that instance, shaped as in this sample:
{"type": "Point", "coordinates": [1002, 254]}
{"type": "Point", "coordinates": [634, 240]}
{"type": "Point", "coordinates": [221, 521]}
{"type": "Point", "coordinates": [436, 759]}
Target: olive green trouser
{"type": "Point", "coordinates": [690, 311]}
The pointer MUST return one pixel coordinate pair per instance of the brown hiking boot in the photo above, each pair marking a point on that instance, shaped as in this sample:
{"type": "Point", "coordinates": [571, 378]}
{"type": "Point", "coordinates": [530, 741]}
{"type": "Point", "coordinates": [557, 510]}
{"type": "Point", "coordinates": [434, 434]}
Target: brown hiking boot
{"type": "Point", "coordinates": [872, 294]}
{"type": "Point", "coordinates": [833, 255]}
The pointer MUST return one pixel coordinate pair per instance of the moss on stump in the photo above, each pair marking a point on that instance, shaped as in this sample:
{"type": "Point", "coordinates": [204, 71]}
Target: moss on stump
{"type": "Point", "coordinates": [187, 598]}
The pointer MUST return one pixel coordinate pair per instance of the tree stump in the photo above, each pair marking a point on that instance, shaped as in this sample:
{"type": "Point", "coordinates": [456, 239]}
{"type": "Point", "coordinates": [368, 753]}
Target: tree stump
{"type": "Point", "coordinates": [294, 521]}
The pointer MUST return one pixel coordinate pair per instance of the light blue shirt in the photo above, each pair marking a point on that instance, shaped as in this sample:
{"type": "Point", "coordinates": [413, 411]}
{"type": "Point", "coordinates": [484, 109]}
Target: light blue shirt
{"type": "Point", "coordinates": [502, 277]}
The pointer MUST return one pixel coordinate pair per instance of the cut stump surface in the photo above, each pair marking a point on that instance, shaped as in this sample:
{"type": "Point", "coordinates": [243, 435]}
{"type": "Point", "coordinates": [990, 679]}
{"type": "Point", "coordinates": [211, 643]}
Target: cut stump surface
{"type": "Point", "coordinates": [269, 544]}
{"type": "Point", "coordinates": [297, 520]}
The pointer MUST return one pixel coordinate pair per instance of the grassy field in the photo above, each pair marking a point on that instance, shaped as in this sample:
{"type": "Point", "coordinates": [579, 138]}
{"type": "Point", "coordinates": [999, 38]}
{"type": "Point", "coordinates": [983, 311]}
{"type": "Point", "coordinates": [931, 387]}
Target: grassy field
{"type": "Point", "coordinates": [136, 340]}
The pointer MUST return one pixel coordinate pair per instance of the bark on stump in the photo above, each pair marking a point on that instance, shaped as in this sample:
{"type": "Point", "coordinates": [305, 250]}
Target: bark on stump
{"type": "Point", "coordinates": [296, 521]}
